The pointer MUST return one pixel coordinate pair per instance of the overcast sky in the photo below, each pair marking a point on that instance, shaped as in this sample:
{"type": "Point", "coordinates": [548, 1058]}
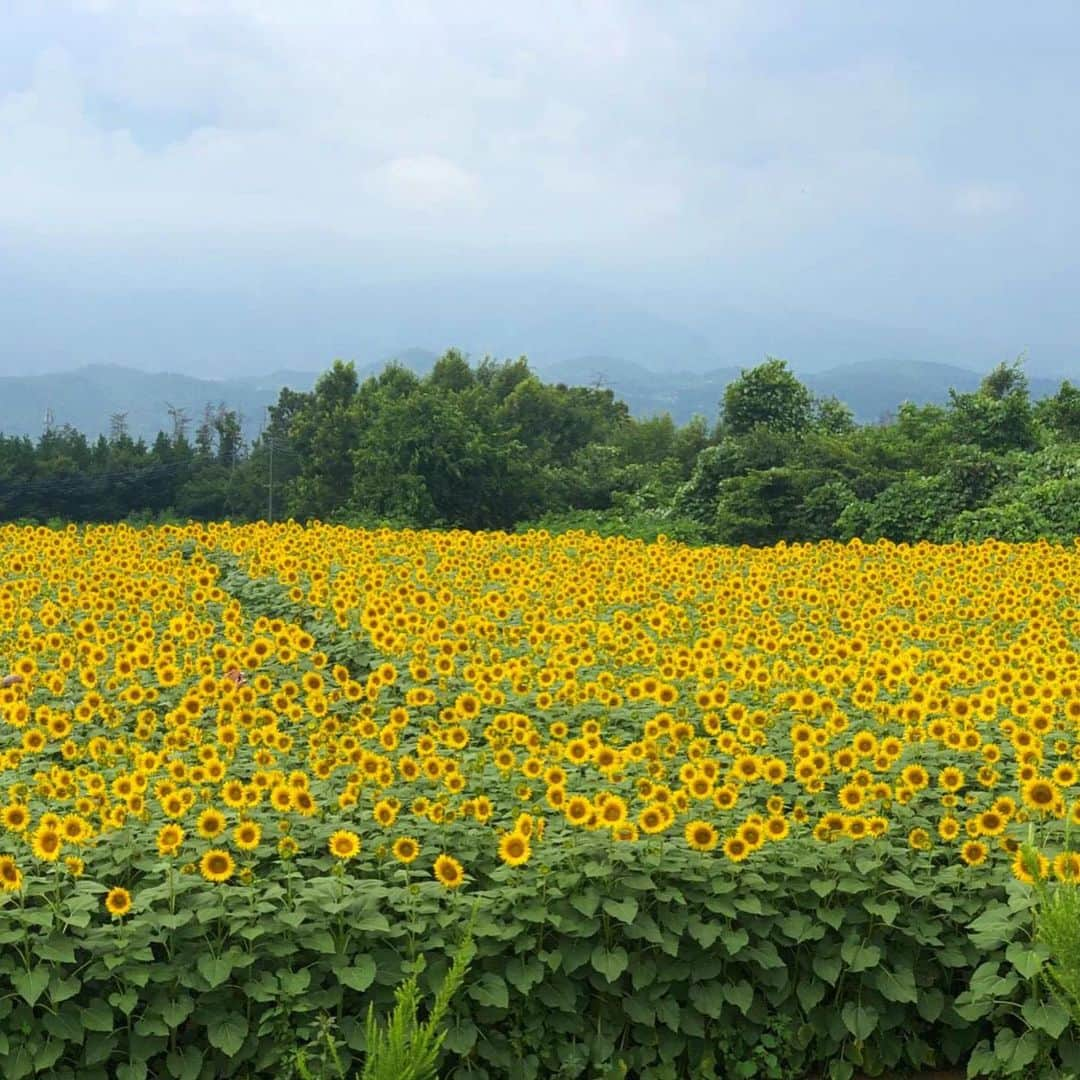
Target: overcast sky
{"type": "Point", "coordinates": [908, 165]}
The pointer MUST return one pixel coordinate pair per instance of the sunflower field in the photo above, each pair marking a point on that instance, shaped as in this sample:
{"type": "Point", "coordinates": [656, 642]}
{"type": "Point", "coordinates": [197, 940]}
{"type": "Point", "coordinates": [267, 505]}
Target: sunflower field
{"type": "Point", "coordinates": [705, 811]}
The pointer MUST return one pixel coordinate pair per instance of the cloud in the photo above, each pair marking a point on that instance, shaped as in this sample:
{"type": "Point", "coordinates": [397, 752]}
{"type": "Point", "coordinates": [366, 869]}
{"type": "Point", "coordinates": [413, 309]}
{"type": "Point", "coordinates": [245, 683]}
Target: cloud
{"type": "Point", "coordinates": [754, 138]}
{"type": "Point", "coordinates": [984, 201]}
{"type": "Point", "coordinates": [425, 183]}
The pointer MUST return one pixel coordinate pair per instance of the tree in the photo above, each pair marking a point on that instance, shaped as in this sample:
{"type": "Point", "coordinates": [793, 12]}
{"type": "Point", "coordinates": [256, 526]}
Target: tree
{"type": "Point", "coordinates": [1061, 413]}
{"type": "Point", "coordinates": [768, 396]}
{"type": "Point", "coordinates": [998, 416]}
{"type": "Point", "coordinates": [324, 433]}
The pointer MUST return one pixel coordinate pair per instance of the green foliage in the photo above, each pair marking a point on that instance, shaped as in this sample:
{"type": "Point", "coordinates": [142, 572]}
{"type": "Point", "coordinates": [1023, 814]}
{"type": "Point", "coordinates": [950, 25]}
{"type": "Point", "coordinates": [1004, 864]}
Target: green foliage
{"type": "Point", "coordinates": [489, 445]}
{"type": "Point", "coordinates": [654, 960]}
{"type": "Point", "coordinates": [768, 396]}
{"type": "Point", "coordinates": [1058, 928]}
{"type": "Point", "coordinates": [402, 1048]}
{"type": "Point", "coordinates": [405, 1049]}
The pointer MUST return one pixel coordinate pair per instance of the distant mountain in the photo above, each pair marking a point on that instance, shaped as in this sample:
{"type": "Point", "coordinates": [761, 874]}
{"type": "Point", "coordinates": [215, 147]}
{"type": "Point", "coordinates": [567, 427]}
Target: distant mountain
{"type": "Point", "coordinates": [88, 397]}
{"type": "Point", "coordinates": [870, 389]}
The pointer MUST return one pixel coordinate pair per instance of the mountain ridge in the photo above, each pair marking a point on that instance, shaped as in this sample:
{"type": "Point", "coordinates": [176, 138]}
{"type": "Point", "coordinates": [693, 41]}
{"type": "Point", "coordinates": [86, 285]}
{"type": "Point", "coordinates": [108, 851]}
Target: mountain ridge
{"type": "Point", "coordinates": [89, 397]}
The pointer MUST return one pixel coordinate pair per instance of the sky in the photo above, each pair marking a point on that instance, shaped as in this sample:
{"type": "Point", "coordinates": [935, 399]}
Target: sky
{"type": "Point", "coordinates": [187, 183]}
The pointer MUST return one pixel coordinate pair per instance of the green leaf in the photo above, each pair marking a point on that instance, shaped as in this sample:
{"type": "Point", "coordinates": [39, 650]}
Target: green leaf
{"type": "Point", "coordinates": [1027, 960]}
{"type": "Point", "coordinates": [886, 910]}
{"type": "Point", "coordinates": [740, 994]}
{"type": "Point", "coordinates": [859, 957]}
{"type": "Point", "coordinates": [491, 990]}
{"type": "Point", "coordinates": [735, 940]}
{"type": "Point", "coordinates": [992, 929]}
{"type": "Point", "coordinates": [625, 910]}
{"type": "Point", "coordinates": [461, 1037]}
{"type": "Point", "coordinates": [523, 973]}
{"type": "Point", "coordinates": [135, 1070]}
{"type": "Point", "coordinates": [611, 963]}
{"type": "Point", "coordinates": [98, 1047]}
{"type": "Point", "coordinates": [64, 1024]}
{"type": "Point", "coordinates": [809, 992]}
{"type": "Point", "coordinates": [294, 983]}
{"type": "Point", "coordinates": [1048, 1016]}
{"type": "Point", "coordinates": [800, 927]}
{"type": "Point", "coordinates": [228, 1033]}
{"type": "Point", "coordinates": [587, 902]}
{"type": "Point", "coordinates": [929, 1003]}
{"type": "Point", "coordinates": [176, 1010]}
{"type": "Point", "coordinates": [360, 975]}
{"type": "Point", "coordinates": [185, 1066]}
{"type": "Point", "coordinates": [860, 1020]}
{"type": "Point", "coordinates": [48, 1055]}
{"type": "Point", "coordinates": [30, 985]}
{"type": "Point", "coordinates": [708, 999]}
{"type": "Point", "coordinates": [20, 1063]}
{"type": "Point", "coordinates": [705, 934]}
{"type": "Point", "coordinates": [58, 949]}
{"type": "Point", "coordinates": [827, 968]}
{"type": "Point", "coordinates": [214, 969]}
{"type": "Point", "coordinates": [62, 989]}
{"type": "Point", "coordinates": [1015, 1054]}
{"type": "Point", "coordinates": [319, 941]}
{"type": "Point", "coordinates": [125, 1000]}
{"type": "Point", "coordinates": [898, 985]}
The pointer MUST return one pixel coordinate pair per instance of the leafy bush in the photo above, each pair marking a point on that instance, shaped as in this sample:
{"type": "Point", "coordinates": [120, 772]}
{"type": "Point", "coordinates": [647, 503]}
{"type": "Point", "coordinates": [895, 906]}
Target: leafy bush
{"type": "Point", "coordinates": [660, 961]}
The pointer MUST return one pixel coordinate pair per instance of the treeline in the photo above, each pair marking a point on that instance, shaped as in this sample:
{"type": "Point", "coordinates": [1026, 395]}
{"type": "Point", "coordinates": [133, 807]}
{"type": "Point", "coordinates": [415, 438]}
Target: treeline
{"type": "Point", "coordinates": [491, 446]}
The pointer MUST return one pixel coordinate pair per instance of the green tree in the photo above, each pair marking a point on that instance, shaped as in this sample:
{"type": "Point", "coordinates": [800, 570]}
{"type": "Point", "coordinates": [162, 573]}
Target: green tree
{"type": "Point", "coordinates": [324, 434]}
{"type": "Point", "coordinates": [769, 396]}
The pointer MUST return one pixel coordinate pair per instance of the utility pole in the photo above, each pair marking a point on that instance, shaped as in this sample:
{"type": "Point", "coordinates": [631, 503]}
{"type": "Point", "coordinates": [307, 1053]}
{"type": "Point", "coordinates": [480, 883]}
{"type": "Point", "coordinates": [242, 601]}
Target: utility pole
{"type": "Point", "coordinates": [180, 422]}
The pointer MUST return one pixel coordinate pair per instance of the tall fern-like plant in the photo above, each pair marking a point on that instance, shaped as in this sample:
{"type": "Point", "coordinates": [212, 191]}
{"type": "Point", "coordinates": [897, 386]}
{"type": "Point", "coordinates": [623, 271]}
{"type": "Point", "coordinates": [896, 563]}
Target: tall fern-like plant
{"type": "Point", "coordinates": [403, 1048]}
{"type": "Point", "coordinates": [1057, 924]}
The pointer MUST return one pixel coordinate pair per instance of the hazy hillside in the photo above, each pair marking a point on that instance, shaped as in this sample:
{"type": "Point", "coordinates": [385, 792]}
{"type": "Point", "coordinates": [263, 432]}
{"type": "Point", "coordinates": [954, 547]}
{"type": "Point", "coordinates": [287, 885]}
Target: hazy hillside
{"type": "Point", "coordinates": [870, 389]}
{"type": "Point", "coordinates": [88, 397]}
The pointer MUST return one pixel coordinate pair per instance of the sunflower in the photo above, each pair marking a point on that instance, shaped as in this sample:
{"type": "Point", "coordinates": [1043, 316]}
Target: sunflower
{"type": "Point", "coordinates": [216, 865]}
{"type": "Point", "coordinates": [948, 828]}
{"type": "Point", "coordinates": [405, 849]}
{"type": "Point", "coordinates": [777, 827]}
{"type": "Point", "coordinates": [1067, 867]}
{"type": "Point", "coordinates": [974, 852]}
{"type": "Point", "coordinates": [10, 874]}
{"type": "Point", "coordinates": [1026, 865]}
{"type": "Point", "coordinates": [514, 849]}
{"type": "Point", "coordinates": [169, 839]}
{"type": "Point", "coordinates": [577, 809]}
{"type": "Point", "coordinates": [344, 845]}
{"type": "Point", "coordinates": [118, 902]}
{"type": "Point", "coordinates": [919, 840]}
{"type": "Point", "coordinates": [701, 835]}
{"type": "Point", "coordinates": [1040, 794]}
{"type": "Point", "coordinates": [247, 835]}
{"type": "Point", "coordinates": [736, 849]}
{"type": "Point", "coordinates": [46, 843]}
{"type": "Point", "coordinates": [15, 817]}
{"type": "Point", "coordinates": [211, 823]}
{"type": "Point", "coordinates": [991, 822]}
{"type": "Point", "coordinates": [448, 871]}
